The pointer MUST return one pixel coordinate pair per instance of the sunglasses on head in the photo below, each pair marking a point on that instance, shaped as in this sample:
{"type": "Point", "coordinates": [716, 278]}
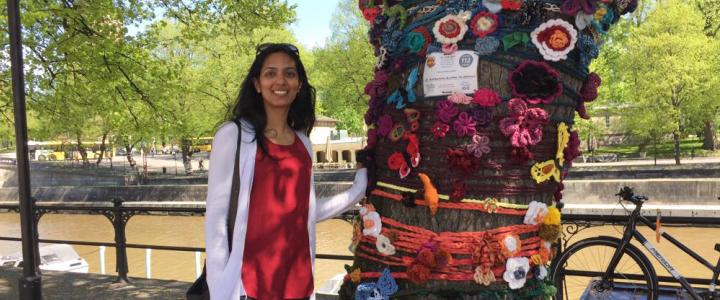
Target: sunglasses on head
{"type": "Point", "coordinates": [276, 46]}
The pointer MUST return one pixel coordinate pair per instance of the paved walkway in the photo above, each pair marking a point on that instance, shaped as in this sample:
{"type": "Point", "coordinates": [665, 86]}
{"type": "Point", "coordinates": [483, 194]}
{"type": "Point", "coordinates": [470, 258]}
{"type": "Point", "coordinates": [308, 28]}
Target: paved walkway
{"type": "Point", "coordinates": [62, 285]}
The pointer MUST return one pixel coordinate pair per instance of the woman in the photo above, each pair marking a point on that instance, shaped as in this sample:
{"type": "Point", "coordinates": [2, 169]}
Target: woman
{"type": "Point", "coordinates": [274, 235]}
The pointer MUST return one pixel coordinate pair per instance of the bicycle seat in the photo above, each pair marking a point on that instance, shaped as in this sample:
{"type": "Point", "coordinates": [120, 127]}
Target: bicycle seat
{"type": "Point", "coordinates": [717, 247]}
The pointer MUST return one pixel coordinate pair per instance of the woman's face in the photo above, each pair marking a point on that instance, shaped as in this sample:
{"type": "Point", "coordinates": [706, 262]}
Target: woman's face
{"type": "Point", "coordinates": [278, 82]}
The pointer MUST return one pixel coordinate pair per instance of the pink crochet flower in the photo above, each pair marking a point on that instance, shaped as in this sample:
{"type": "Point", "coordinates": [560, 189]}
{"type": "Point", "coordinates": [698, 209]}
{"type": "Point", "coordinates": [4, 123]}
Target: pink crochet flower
{"type": "Point", "coordinates": [440, 129]}
{"type": "Point", "coordinates": [588, 93]}
{"type": "Point", "coordinates": [384, 125]}
{"type": "Point", "coordinates": [523, 125]}
{"type": "Point", "coordinates": [572, 150]}
{"type": "Point", "coordinates": [460, 98]}
{"type": "Point", "coordinates": [449, 48]}
{"type": "Point", "coordinates": [480, 145]}
{"type": "Point", "coordinates": [464, 125]}
{"type": "Point", "coordinates": [378, 86]}
{"type": "Point", "coordinates": [445, 111]}
{"type": "Point", "coordinates": [486, 97]}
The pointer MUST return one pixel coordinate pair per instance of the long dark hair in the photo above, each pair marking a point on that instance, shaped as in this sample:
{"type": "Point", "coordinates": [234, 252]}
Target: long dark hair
{"type": "Point", "coordinates": [249, 104]}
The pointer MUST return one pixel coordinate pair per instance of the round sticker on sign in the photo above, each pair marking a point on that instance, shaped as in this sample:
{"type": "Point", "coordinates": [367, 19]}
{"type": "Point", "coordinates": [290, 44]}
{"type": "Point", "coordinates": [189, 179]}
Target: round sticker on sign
{"type": "Point", "coordinates": [430, 62]}
{"type": "Point", "coordinates": [466, 60]}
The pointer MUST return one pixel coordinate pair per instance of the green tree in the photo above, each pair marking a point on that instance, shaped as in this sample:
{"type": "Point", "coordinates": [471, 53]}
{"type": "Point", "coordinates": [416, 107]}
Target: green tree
{"type": "Point", "coordinates": [343, 67]}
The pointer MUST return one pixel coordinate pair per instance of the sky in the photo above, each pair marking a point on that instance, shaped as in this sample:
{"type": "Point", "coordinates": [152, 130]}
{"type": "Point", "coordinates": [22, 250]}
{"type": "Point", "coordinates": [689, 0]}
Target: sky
{"type": "Point", "coordinates": [312, 26]}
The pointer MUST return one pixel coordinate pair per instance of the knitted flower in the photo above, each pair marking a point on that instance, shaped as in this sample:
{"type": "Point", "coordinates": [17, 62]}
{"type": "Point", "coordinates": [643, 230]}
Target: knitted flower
{"type": "Point", "coordinates": [493, 6]}
{"type": "Point", "coordinates": [536, 82]}
{"type": "Point", "coordinates": [583, 20]}
{"type": "Point", "coordinates": [510, 245]}
{"type": "Point", "coordinates": [378, 86]}
{"type": "Point", "coordinates": [572, 7]}
{"type": "Point", "coordinates": [448, 49]}
{"type": "Point", "coordinates": [460, 160]}
{"type": "Point", "coordinates": [512, 4]}
{"type": "Point", "coordinates": [588, 49]}
{"type": "Point", "coordinates": [554, 39]}
{"type": "Point", "coordinates": [572, 151]}
{"type": "Point", "coordinates": [440, 129]}
{"type": "Point", "coordinates": [384, 245]}
{"type": "Point", "coordinates": [460, 98]}
{"type": "Point", "coordinates": [484, 23]}
{"type": "Point", "coordinates": [384, 125]}
{"type": "Point", "coordinates": [588, 93]}
{"type": "Point", "coordinates": [418, 273]}
{"type": "Point", "coordinates": [536, 213]}
{"type": "Point", "coordinates": [486, 97]}
{"type": "Point", "coordinates": [523, 125]}
{"type": "Point", "coordinates": [604, 17]}
{"type": "Point", "coordinates": [516, 270]}
{"type": "Point", "coordinates": [484, 276]}
{"type": "Point", "coordinates": [372, 225]}
{"type": "Point", "coordinates": [482, 115]}
{"type": "Point", "coordinates": [541, 272]}
{"type": "Point", "coordinates": [371, 13]}
{"type": "Point", "coordinates": [445, 111]}
{"type": "Point", "coordinates": [464, 125]}
{"type": "Point", "coordinates": [418, 41]}
{"type": "Point", "coordinates": [480, 145]}
{"type": "Point", "coordinates": [486, 45]}
{"type": "Point", "coordinates": [451, 28]}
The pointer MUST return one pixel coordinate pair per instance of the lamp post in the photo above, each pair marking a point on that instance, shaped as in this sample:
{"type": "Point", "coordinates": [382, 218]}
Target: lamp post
{"type": "Point", "coordinates": [30, 282]}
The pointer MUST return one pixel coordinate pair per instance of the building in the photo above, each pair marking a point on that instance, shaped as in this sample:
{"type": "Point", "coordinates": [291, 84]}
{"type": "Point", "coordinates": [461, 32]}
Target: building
{"type": "Point", "coordinates": [333, 148]}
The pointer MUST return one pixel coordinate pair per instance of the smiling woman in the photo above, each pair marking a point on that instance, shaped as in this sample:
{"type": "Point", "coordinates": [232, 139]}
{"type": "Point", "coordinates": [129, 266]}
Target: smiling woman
{"type": "Point", "coordinates": [269, 250]}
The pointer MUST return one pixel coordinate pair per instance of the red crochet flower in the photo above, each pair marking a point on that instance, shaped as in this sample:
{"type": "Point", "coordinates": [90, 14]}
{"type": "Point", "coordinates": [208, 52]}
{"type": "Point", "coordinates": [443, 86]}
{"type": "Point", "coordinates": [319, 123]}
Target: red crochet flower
{"type": "Point", "coordinates": [464, 125]}
{"type": "Point", "coordinates": [484, 23]}
{"type": "Point", "coordinates": [512, 4]}
{"type": "Point", "coordinates": [450, 28]}
{"type": "Point", "coordinates": [371, 13]}
{"type": "Point", "coordinates": [440, 129]}
{"type": "Point", "coordinates": [418, 273]}
{"type": "Point", "coordinates": [588, 93]}
{"type": "Point", "coordinates": [461, 160]}
{"type": "Point", "coordinates": [486, 97]}
{"type": "Point", "coordinates": [523, 125]}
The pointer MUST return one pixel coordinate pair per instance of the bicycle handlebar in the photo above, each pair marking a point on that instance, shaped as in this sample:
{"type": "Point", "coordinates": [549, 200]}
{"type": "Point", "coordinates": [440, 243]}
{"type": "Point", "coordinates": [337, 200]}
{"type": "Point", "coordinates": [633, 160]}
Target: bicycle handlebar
{"type": "Point", "coordinates": [627, 194]}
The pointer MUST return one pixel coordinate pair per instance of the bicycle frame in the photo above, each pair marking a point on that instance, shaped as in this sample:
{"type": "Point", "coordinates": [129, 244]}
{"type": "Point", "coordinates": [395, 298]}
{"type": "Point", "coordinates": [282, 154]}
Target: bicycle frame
{"type": "Point", "coordinates": [631, 232]}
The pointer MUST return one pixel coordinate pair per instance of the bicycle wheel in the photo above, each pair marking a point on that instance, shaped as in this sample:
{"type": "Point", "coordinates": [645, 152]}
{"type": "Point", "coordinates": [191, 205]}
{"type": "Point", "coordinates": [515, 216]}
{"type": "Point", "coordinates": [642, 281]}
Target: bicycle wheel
{"type": "Point", "coordinates": [578, 271]}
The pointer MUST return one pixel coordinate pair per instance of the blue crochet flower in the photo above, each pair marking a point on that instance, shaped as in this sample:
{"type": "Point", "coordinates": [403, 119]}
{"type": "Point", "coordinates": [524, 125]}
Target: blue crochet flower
{"type": "Point", "coordinates": [588, 49]}
{"type": "Point", "coordinates": [381, 290]}
{"type": "Point", "coordinates": [486, 45]}
{"type": "Point", "coordinates": [391, 40]}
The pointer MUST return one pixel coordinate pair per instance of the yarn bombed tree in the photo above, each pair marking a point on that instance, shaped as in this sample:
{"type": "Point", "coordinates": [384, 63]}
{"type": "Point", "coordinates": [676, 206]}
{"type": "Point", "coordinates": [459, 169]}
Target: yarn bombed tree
{"type": "Point", "coordinates": [470, 115]}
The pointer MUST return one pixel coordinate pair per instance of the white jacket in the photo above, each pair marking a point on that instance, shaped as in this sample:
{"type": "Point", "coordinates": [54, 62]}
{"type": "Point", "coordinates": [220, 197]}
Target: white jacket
{"type": "Point", "coordinates": [223, 272]}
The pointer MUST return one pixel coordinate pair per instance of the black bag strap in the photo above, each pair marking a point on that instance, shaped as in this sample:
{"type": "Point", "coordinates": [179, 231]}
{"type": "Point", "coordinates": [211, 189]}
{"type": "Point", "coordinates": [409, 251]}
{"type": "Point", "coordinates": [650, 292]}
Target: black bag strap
{"type": "Point", "coordinates": [234, 190]}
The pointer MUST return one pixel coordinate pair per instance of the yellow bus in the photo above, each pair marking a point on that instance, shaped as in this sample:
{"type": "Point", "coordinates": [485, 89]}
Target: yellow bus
{"type": "Point", "coordinates": [203, 144]}
{"type": "Point", "coordinates": [58, 150]}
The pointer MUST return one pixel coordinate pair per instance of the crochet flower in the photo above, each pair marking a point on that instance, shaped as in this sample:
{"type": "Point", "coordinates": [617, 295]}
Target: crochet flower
{"type": "Point", "coordinates": [451, 28]}
{"type": "Point", "coordinates": [554, 39]}
{"type": "Point", "coordinates": [371, 13]}
{"type": "Point", "coordinates": [572, 151]}
{"type": "Point", "coordinates": [460, 160]}
{"type": "Point", "coordinates": [486, 97]}
{"type": "Point", "coordinates": [536, 213]}
{"type": "Point", "coordinates": [486, 45]}
{"type": "Point", "coordinates": [493, 6]}
{"type": "Point", "coordinates": [460, 98]}
{"type": "Point", "coordinates": [583, 20]}
{"type": "Point", "coordinates": [372, 225]}
{"type": "Point", "coordinates": [484, 23]}
{"type": "Point", "coordinates": [380, 290]}
{"type": "Point", "coordinates": [384, 245]}
{"type": "Point", "coordinates": [572, 7]}
{"type": "Point", "coordinates": [604, 17]}
{"type": "Point", "coordinates": [516, 270]}
{"type": "Point", "coordinates": [536, 82]}
{"type": "Point", "coordinates": [482, 115]}
{"type": "Point", "coordinates": [372, 138]}
{"type": "Point", "coordinates": [510, 245]}
{"type": "Point", "coordinates": [391, 39]}
{"type": "Point", "coordinates": [484, 276]}
{"type": "Point", "coordinates": [512, 4]}
{"type": "Point", "coordinates": [523, 125]}
{"type": "Point", "coordinates": [418, 273]}
{"type": "Point", "coordinates": [480, 145]}
{"type": "Point", "coordinates": [440, 129]}
{"type": "Point", "coordinates": [384, 125]}
{"type": "Point", "coordinates": [378, 86]}
{"type": "Point", "coordinates": [445, 111]}
{"type": "Point", "coordinates": [464, 125]}
{"type": "Point", "coordinates": [418, 41]}
{"type": "Point", "coordinates": [588, 49]}
{"type": "Point", "coordinates": [448, 49]}
{"type": "Point", "coordinates": [588, 93]}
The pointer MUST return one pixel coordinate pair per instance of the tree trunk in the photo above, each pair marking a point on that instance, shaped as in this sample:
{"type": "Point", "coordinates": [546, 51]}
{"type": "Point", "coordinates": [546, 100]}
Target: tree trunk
{"type": "Point", "coordinates": [676, 139]}
{"type": "Point", "coordinates": [709, 135]}
{"type": "Point", "coordinates": [186, 148]}
{"type": "Point", "coordinates": [81, 149]}
{"type": "Point", "coordinates": [129, 156]}
{"type": "Point", "coordinates": [102, 150]}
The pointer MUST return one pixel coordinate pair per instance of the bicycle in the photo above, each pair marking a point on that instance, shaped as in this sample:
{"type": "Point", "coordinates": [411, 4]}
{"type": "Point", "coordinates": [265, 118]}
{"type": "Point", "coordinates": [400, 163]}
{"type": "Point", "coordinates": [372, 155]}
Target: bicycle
{"type": "Point", "coordinates": [628, 274]}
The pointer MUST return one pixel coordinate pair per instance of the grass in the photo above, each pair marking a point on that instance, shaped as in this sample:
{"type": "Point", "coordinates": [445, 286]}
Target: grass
{"type": "Point", "coordinates": [690, 147]}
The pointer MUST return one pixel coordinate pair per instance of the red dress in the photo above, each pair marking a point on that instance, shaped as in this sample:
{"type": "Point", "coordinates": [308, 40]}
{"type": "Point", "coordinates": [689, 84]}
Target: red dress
{"type": "Point", "coordinates": [276, 261]}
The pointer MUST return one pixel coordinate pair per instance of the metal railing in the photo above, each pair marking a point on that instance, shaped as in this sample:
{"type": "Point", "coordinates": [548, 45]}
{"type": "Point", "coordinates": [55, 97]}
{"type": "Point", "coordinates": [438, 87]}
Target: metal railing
{"type": "Point", "coordinates": [119, 214]}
